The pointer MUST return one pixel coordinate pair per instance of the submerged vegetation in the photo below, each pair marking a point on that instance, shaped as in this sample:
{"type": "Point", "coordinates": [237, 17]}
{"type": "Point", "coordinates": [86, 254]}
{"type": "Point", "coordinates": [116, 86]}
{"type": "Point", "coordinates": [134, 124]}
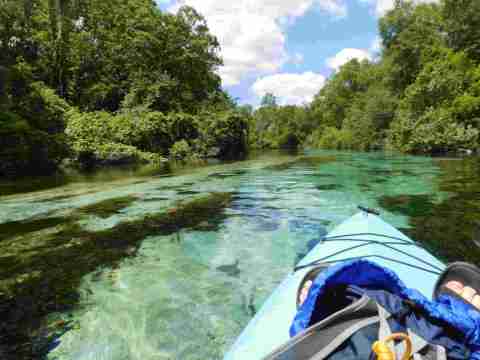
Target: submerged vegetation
{"type": "Point", "coordinates": [107, 208]}
{"type": "Point", "coordinates": [36, 276]}
{"type": "Point", "coordinates": [450, 228]}
{"type": "Point", "coordinates": [17, 228]}
{"type": "Point", "coordinates": [420, 95]}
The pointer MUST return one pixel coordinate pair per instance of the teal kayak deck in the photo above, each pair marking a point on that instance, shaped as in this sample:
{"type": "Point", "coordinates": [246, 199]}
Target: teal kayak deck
{"type": "Point", "coordinates": [376, 240]}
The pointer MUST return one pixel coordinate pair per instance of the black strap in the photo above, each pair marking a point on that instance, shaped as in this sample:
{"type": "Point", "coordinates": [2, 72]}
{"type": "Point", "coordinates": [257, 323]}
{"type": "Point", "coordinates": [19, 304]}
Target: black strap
{"type": "Point", "coordinates": [323, 338]}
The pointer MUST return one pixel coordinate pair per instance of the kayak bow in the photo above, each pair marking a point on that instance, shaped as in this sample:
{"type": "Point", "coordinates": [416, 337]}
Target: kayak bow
{"type": "Point", "coordinates": [364, 235]}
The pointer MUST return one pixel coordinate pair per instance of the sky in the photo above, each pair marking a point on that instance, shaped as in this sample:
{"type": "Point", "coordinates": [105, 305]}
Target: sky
{"type": "Point", "coordinates": [287, 47]}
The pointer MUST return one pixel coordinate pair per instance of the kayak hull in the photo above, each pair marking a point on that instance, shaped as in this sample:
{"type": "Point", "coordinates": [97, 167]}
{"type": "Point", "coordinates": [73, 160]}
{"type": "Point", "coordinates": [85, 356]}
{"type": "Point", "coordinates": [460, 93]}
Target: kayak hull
{"type": "Point", "coordinates": [270, 327]}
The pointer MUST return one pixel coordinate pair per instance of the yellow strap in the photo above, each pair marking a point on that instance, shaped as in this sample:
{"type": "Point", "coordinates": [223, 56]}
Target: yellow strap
{"type": "Point", "coordinates": [383, 352]}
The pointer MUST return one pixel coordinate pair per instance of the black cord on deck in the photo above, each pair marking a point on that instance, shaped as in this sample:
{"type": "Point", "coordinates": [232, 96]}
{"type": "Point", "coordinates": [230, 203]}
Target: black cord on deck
{"type": "Point", "coordinates": [366, 242]}
{"type": "Point", "coordinates": [373, 256]}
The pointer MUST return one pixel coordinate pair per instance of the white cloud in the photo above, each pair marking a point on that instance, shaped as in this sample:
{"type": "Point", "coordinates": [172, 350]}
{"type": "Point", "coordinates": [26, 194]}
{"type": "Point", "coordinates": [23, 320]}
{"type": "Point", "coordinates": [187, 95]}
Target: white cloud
{"type": "Point", "coordinates": [382, 6]}
{"type": "Point", "coordinates": [336, 7]}
{"type": "Point", "coordinates": [290, 89]}
{"type": "Point", "coordinates": [344, 56]}
{"type": "Point", "coordinates": [252, 32]}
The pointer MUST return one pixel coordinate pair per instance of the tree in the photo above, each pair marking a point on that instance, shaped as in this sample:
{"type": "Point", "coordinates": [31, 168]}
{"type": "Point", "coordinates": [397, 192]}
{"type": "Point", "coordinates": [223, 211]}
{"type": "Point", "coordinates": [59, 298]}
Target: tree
{"type": "Point", "coordinates": [269, 99]}
{"type": "Point", "coordinates": [3, 81]}
{"type": "Point", "coordinates": [60, 13]}
{"type": "Point", "coordinates": [431, 116]}
{"type": "Point", "coordinates": [246, 109]}
{"type": "Point", "coordinates": [462, 23]}
{"type": "Point", "coordinates": [333, 100]}
{"type": "Point", "coordinates": [410, 35]}
{"type": "Point", "coordinates": [123, 57]}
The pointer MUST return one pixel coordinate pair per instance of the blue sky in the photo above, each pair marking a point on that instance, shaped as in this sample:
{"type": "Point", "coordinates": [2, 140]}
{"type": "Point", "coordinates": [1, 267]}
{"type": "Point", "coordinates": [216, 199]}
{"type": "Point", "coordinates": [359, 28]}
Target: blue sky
{"type": "Point", "coordinates": [288, 47]}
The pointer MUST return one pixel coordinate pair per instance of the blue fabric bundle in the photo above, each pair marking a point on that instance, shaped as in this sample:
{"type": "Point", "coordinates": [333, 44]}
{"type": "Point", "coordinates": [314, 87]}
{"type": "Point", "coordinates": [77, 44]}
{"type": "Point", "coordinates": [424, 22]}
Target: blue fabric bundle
{"type": "Point", "coordinates": [387, 289]}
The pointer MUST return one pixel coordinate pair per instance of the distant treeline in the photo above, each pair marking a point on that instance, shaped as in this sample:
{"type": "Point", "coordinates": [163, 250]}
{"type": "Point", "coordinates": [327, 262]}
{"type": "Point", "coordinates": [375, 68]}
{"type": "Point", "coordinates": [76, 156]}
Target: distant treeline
{"type": "Point", "coordinates": [107, 82]}
{"type": "Point", "coordinates": [112, 82]}
{"type": "Point", "coordinates": [422, 95]}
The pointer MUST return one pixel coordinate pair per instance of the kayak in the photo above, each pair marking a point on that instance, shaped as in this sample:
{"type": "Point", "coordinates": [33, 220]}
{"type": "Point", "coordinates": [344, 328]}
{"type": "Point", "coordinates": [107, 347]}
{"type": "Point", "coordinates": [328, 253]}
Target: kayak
{"type": "Point", "coordinates": [364, 235]}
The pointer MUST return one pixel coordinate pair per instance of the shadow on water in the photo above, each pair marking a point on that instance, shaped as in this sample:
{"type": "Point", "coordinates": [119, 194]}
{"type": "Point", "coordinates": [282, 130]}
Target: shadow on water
{"type": "Point", "coordinates": [327, 187]}
{"type": "Point", "coordinates": [224, 175]}
{"type": "Point", "coordinates": [69, 176]}
{"type": "Point", "coordinates": [378, 173]}
{"type": "Point", "coordinates": [58, 198]}
{"type": "Point", "coordinates": [105, 209]}
{"type": "Point", "coordinates": [9, 187]}
{"type": "Point", "coordinates": [303, 161]}
{"type": "Point", "coordinates": [409, 205]}
{"type": "Point", "coordinates": [37, 277]}
{"type": "Point", "coordinates": [451, 227]}
{"type": "Point", "coordinates": [230, 269]}
{"type": "Point", "coordinates": [17, 228]}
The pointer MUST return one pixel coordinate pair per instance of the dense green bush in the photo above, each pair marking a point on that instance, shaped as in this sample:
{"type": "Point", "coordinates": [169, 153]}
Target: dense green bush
{"type": "Point", "coordinates": [440, 109]}
{"type": "Point", "coordinates": [26, 150]}
{"type": "Point", "coordinates": [129, 137]}
{"type": "Point", "coordinates": [278, 127]}
{"type": "Point", "coordinates": [177, 135]}
{"type": "Point", "coordinates": [435, 131]}
{"type": "Point", "coordinates": [332, 138]}
{"type": "Point", "coordinates": [368, 118]}
{"type": "Point", "coordinates": [31, 132]}
{"type": "Point", "coordinates": [180, 150]}
{"type": "Point", "coordinates": [224, 135]}
{"type": "Point", "coordinates": [118, 154]}
{"type": "Point", "coordinates": [288, 140]}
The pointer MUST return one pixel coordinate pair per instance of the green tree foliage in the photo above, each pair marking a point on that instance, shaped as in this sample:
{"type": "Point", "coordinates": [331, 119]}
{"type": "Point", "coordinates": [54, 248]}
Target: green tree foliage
{"type": "Point", "coordinates": [131, 83]}
{"type": "Point", "coordinates": [278, 126]}
{"type": "Point", "coordinates": [420, 96]}
{"type": "Point", "coordinates": [440, 110]}
{"type": "Point", "coordinates": [410, 34]}
{"type": "Point", "coordinates": [462, 23]}
{"type": "Point", "coordinates": [368, 118]}
{"type": "Point", "coordinates": [332, 102]}
{"type": "Point", "coordinates": [358, 103]}
{"type": "Point", "coordinates": [146, 136]}
{"type": "Point", "coordinates": [27, 142]}
{"type": "Point", "coordinates": [223, 135]}
{"type": "Point", "coordinates": [180, 150]}
{"type": "Point", "coordinates": [138, 55]}
{"type": "Point", "coordinates": [126, 80]}
{"type": "Point", "coordinates": [269, 100]}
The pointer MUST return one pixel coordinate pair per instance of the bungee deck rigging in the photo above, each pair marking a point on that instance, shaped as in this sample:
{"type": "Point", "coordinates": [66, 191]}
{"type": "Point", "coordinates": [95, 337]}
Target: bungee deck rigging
{"type": "Point", "coordinates": [436, 270]}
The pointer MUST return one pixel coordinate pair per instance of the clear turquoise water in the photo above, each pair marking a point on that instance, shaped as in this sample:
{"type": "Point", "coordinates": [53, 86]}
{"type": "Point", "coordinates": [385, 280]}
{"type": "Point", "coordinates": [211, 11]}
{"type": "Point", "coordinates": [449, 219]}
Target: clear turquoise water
{"type": "Point", "coordinates": [189, 294]}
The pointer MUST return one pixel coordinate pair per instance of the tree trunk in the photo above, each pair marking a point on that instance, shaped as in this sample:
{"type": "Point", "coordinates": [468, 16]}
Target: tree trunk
{"type": "Point", "coordinates": [60, 28]}
{"type": "Point", "coordinates": [3, 81]}
{"type": "Point", "coordinates": [27, 11]}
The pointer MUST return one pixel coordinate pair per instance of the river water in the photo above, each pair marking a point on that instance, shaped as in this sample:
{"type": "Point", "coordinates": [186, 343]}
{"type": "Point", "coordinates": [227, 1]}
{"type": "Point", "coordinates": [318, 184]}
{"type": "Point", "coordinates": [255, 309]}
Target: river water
{"type": "Point", "coordinates": [87, 272]}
